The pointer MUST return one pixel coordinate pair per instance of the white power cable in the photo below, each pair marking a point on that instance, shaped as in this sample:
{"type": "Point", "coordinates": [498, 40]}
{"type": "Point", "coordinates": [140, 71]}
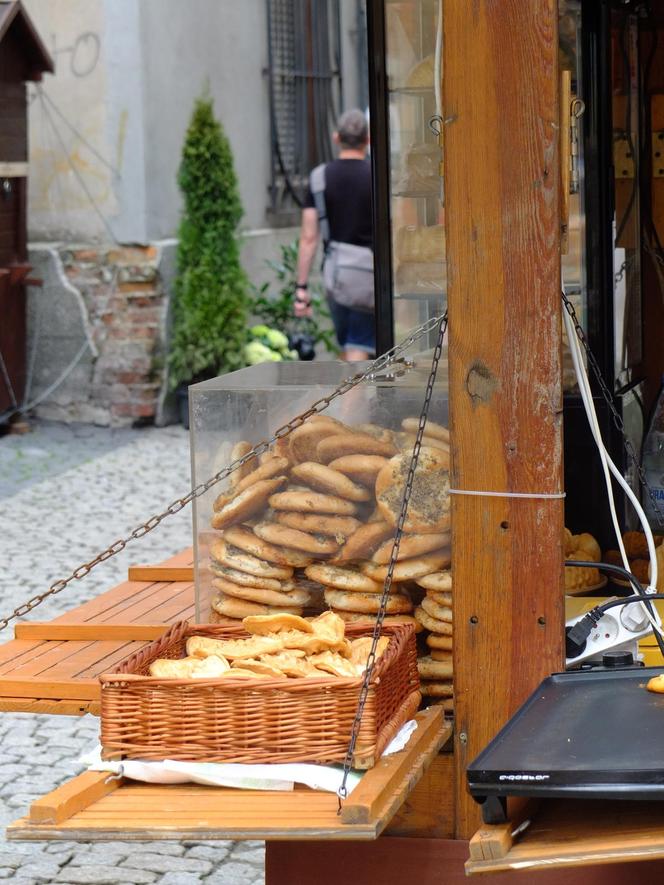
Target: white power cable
{"type": "Point", "coordinates": [608, 465]}
{"type": "Point", "coordinates": [438, 56]}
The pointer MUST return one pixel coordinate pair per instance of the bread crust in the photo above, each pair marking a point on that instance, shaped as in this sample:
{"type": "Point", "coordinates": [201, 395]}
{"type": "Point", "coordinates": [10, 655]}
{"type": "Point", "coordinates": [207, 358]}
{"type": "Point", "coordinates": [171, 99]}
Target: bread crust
{"type": "Point", "coordinates": [442, 598]}
{"type": "Point", "coordinates": [275, 533]}
{"type": "Point", "coordinates": [261, 595]}
{"type": "Point", "coordinates": [439, 641]}
{"type": "Point", "coordinates": [305, 501]}
{"type": "Point", "coordinates": [411, 425]}
{"type": "Point", "coordinates": [243, 538]}
{"type": "Point", "coordinates": [332, 482]}
{"type": "Point", "coordinates": [238, 577]}
{"type": "Point", "coordinates": [433, 608]}
{"type": "Point", "coordinates": [338, 527]}
{"type": "Point", "coordinates": [231, 607]}
{"type": "Point", "coordinates": [436, 689]}
{"type": "Point", "coordinates": [239, 450]}
{"type": "Point", "coordinates": [410, 546]}
{"type": "Point", "coordinates": [430, 668]}
{"type": "Point", "coordinates": [340, 444]}
{"type": "Point", "coordinates": [353, 601]}
{"type": "Point", "coordinates": [370, 619]}
{"type": "Point", "coordinates": [439, 582]}
{"type": "Point", "coordinates": [409, 569]}
{"type": "Point", "coordinates": [429, 505]}
{"type": "Point", "coordinates": [360, 468]}
{"type": "Point", "coordinates": [364, 541]}
{"type": "Point", "coordinates": [440, 655]}
{"type": "Point", "coordinates": [342, 578]}
{"type": "Point", "coordinates": [304, 440]}
{"type": "Point", "coordinates": [247, 502]}
{"type": "Point", "coordinates": [227, 554]}
{"type": "Point", "coordinates": [444, 628]}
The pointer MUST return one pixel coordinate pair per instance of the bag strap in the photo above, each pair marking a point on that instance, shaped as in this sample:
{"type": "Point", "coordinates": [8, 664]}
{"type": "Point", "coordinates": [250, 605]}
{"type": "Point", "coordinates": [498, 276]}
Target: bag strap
{"type": "Point", "coordinates": [317, 185]}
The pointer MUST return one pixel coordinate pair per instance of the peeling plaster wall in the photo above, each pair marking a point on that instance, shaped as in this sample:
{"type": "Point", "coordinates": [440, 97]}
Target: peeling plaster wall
{"type": "Point", "coordinates": [97, 329]}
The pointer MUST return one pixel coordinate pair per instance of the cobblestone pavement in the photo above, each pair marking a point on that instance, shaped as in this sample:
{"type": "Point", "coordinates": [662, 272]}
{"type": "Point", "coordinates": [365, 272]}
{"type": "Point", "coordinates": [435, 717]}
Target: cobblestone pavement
{"type": "Point", "coordinates": [65, 493]}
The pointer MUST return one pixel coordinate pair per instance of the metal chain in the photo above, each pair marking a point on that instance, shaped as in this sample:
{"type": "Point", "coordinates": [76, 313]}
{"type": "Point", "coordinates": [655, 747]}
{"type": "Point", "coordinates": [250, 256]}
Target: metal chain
{"type": "Point", "coordinates": [176, 506]}
{"type": "Point", "coordinates": [608, 398]}
{"type": "Point", "coordinates": [342, 792]}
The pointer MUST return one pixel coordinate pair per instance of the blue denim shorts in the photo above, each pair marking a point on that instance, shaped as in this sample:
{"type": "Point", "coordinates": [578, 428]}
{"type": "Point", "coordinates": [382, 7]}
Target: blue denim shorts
{"type": "Point", "coordinates": [354, 328]}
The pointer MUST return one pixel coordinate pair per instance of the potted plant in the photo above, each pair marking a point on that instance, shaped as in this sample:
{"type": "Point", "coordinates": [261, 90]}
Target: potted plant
{"type": "Point", "coordinates": [211, 302]}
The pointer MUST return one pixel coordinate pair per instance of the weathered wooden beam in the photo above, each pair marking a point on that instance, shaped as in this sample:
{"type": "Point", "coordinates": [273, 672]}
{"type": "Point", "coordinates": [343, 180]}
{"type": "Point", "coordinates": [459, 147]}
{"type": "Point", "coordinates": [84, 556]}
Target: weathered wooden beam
{"type": "Point", "coordinates": [502, 215]}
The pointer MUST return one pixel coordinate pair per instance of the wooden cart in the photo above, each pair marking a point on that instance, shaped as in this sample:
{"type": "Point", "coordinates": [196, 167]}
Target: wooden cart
{"type": "Point", "coordinates": [503, 209]}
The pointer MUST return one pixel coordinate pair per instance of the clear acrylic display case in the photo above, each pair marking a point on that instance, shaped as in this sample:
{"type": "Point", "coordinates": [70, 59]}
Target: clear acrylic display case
{"type": "Point", "coordinates": [250, 404]}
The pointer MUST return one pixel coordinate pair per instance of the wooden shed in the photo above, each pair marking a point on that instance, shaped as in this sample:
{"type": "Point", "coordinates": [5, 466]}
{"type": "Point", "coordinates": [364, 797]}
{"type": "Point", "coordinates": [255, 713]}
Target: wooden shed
{"type": "Point", "coordinates": [23, 57]}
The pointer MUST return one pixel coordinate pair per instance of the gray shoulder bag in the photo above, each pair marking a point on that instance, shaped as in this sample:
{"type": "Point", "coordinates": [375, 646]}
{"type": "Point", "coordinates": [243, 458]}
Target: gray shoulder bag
{"type": "Point", "coordinates": [347, 269]}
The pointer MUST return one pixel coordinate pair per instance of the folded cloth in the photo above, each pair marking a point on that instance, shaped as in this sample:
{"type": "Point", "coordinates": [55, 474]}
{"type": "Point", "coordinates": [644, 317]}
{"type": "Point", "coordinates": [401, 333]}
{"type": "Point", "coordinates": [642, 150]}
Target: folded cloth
{"type": "Point", "coordinates": [280, 776]}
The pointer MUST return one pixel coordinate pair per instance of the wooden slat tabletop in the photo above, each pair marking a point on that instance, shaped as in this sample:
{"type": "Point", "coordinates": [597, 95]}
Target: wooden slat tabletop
{"type": "Point", "coordinates": [59, 675]}
{"type": "Point", "coordinates": [90, 807]}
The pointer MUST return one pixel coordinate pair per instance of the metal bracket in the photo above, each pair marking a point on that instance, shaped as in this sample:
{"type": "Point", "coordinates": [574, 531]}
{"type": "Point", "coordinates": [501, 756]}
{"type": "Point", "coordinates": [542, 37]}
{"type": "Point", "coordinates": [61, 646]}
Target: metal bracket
{"type": "Point", "coordinates": [623, 161]}
{"type": "Point", "coordinates": [658, 154]}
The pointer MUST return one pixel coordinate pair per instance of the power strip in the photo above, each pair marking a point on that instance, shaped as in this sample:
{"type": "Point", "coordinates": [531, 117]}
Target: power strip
{"type": "Point", "coordinates": [611, 633]}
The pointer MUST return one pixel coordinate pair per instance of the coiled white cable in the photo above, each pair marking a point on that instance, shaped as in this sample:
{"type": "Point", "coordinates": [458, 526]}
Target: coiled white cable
{"type": "Point", "coordinates": [609, 467]}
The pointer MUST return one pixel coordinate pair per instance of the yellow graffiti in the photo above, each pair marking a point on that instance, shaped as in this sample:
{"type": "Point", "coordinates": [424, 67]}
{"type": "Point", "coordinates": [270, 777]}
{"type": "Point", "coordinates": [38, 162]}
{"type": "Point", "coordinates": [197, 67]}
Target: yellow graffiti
{"type": "Point", "coordinates": [122, 134]}
{"type": "Point", "coordinates": [56, 181]}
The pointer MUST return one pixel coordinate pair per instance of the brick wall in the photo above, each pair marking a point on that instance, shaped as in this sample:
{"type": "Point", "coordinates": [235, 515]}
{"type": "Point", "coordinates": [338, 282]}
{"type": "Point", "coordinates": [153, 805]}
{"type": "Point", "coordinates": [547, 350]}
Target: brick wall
{"type": "Point", "coordinates": [125, 302]}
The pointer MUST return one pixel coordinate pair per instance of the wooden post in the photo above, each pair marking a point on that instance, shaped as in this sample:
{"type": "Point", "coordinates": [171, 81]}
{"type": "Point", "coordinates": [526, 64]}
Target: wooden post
{"type": "Point", "coordinates": [503, 261]}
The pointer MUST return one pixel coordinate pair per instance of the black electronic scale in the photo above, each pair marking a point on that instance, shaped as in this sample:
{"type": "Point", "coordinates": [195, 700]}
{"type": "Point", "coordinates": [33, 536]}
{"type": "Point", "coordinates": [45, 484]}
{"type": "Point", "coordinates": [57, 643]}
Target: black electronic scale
{"type": "Point", "coordinates": [589, 734]}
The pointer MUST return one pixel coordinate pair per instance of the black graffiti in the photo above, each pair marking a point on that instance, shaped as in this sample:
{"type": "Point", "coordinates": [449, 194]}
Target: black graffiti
{"type": "Point", "coordinates": [83, 53]}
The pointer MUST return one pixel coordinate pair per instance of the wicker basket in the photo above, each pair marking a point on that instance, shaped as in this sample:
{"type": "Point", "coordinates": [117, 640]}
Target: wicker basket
{"type": "Point", "coordinates": [275, 720]}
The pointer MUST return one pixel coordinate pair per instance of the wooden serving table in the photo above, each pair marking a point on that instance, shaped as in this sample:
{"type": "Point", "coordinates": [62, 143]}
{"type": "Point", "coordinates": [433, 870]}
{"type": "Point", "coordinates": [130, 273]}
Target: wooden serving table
{"type": "Point", "coordinates": [409, 797]}
{"type": "Point", "coordinates": [53, 667]}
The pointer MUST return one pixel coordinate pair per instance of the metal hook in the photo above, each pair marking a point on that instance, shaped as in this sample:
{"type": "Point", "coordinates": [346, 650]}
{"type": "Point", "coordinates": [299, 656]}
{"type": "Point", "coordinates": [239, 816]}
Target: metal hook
{"type": "Point", "coordinates": [578, 107]}
{"type": "Point", "coordinates": [521, 828]}
{"type": "Point", "coordinates": [436, 124]}
{"type": "Point", "coordinates": [404, 364]}
{"type": "Point", "coordinates": [115, 777]}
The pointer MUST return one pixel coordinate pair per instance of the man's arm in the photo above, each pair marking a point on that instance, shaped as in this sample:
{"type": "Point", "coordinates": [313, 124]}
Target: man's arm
{"type": "Point", "coordinates": [305, 257]}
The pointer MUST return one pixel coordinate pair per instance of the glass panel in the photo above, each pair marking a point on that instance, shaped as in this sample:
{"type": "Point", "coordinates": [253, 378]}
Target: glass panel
{"type": "Point", "coordinates": [574, 258]}
{"type": "Point", "coordinates": [414, 72]}
{"type": "Point", "coordinates": [627, 243]}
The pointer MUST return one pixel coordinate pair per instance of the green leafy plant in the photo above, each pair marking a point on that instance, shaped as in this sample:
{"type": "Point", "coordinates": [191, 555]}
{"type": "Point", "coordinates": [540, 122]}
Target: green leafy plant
{"type": "Point", "coordinates": [211, 301]}
{"type": "Point", "coordinates": [275, 308]}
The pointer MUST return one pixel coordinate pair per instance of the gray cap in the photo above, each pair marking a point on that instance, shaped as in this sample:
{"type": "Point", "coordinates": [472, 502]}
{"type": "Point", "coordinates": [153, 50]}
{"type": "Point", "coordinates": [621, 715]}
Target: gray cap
{"type": "Point", "coordinates": [352, 128]}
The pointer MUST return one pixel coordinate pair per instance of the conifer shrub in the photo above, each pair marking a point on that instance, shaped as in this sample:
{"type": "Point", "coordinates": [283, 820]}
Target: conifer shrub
{"type": "Point", "coordinates": [210, 308]}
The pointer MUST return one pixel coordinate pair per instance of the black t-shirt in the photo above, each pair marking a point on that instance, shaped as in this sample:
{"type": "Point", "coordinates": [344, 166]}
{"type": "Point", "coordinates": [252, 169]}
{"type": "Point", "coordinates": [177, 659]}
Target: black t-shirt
{"type": "Point", "coordinates": [347, 201]}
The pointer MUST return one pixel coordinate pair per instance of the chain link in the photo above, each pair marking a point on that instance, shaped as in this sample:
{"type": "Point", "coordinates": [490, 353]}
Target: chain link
{"type": "Point", "coordinates": [179, 504]}
{"type": "Point", "coordinates": [608, 398]}
{"type": "Point", "coordinates": [342, 792]}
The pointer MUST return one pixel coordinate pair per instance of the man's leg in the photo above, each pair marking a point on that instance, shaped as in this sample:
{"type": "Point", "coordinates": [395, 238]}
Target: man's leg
{"type": "Point", "coordinates": [355, 354]}
{"type": "Point", "coordinates": [361, 336]}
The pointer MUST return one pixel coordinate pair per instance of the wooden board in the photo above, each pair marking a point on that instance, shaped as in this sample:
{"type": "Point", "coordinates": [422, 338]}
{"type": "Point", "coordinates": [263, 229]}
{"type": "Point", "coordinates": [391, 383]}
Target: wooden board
{"type": "Point", "coordinates": [502, 197]}
{"type": "Point", "coordinates": [566, 833]}
{"type": "Point", "coordinates": [126, 632]}
{"type": "Point", "coordinates": [395, 861]}
{"type": "Point", "coordinates": [429, 809]}
{"type": "Point", "coordinates": [84, 808]}
{"type": "Point", "coordinates": [53, 667]}
{"type": "Point", "coordinates": [160, 573]}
